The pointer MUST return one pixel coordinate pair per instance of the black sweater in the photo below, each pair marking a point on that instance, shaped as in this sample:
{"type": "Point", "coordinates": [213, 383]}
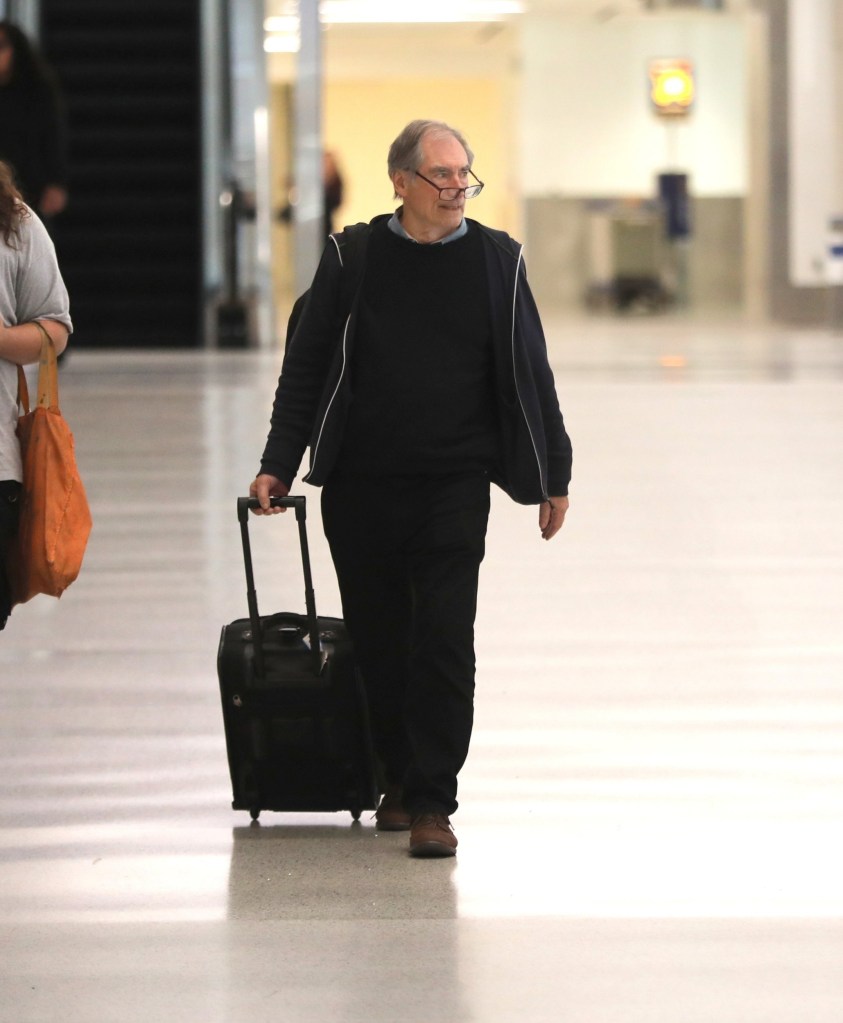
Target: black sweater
{"type": "Point", "coordinates": [421, 377]}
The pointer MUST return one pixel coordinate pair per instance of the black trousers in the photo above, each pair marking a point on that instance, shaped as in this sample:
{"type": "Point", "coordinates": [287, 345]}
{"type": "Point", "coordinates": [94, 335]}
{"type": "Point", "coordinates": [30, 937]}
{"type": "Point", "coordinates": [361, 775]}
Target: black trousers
{"type": "Point", "coordinates": [407, 554]}
{"type": "Point", "coordinates": [9, 511]}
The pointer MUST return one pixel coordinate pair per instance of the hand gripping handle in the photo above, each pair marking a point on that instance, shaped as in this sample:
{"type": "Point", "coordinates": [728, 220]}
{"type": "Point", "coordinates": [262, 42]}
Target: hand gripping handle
{"type": "Point", "coordinates": [244, 504]}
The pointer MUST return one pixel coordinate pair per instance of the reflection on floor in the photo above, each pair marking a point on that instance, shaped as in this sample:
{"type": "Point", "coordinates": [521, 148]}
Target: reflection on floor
{"type": "Point", "coordinates": [650, 826]}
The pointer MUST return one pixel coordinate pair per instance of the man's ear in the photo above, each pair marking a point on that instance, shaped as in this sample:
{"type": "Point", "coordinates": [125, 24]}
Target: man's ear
{"type": "Point", "coordinates": [400, 180]}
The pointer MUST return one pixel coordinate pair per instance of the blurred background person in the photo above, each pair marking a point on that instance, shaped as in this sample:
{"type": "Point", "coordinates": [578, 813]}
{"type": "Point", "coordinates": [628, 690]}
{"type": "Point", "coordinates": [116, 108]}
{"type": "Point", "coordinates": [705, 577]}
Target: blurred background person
{"type": "Point", "coordinates": [332, 195]}
{"type": "Point", "coordinates": [31, 288]}
{"type": "Point", "coordinates": [333, 190]}
{"type": "Point", "coordinates": [32, 123]}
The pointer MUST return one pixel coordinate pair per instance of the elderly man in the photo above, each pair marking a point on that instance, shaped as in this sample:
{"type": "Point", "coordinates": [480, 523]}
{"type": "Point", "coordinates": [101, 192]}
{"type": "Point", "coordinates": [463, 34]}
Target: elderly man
{"type": "Point", "coordinates": [418, 374]}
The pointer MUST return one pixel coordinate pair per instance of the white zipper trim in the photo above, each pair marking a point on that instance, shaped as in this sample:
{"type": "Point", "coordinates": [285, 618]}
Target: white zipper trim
{"type": "Point", "coordinates": [515, 378]}
{"type": "Point", "coordinates": [315, 449]}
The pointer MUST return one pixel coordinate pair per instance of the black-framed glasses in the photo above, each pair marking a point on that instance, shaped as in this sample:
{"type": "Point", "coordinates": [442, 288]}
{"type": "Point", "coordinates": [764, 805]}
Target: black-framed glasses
{"type": "Point", "coordinates": [470, 191]}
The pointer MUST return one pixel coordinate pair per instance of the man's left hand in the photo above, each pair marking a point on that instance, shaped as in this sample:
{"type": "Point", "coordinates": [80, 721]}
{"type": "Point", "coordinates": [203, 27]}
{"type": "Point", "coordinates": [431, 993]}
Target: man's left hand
{"type": "Point", "coordinates": [552, 515]}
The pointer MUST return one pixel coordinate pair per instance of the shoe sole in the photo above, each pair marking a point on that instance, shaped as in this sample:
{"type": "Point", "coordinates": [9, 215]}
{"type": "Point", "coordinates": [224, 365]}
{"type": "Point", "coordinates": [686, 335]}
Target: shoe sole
{"type": "Point", "coordinates": [432, 850]}
{"type": "Point", "coordinates": [392, 826]}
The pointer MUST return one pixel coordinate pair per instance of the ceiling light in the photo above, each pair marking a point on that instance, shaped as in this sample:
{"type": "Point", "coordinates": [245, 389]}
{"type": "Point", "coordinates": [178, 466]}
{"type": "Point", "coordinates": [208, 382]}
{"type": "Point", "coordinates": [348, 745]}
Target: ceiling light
{"type": "Point", "coordinates": [372, 12]}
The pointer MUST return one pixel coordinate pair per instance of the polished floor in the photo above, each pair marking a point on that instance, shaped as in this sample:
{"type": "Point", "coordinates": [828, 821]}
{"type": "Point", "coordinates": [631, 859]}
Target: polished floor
{"type": "Point", "coordinates": [651, 822]}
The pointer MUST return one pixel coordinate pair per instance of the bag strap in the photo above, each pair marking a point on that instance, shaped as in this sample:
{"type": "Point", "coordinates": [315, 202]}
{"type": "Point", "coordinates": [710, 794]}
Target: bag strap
{"type": "Point", "coordinates": [351, 245]}
{"type": "Point", "coordinates": [355, 241]}
{"type": "Point", "coordinates": [23, 391]}
{"type": "Point", "coordinates": [48, 376]}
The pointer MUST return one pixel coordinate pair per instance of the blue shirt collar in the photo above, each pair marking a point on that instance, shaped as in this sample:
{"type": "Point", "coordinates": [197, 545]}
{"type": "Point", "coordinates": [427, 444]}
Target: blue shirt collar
{"type": "Point", "coordinates": [394, 224]}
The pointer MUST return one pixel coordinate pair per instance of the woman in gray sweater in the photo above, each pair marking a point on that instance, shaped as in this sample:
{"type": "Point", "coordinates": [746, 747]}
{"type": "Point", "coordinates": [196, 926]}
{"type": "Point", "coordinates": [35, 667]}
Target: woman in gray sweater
{"type": "Point", "coordinates": [31, 288]}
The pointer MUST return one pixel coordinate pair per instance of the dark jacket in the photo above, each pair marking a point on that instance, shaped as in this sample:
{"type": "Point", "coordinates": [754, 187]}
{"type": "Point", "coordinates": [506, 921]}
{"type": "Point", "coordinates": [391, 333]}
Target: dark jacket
{"type": "Point", "coordinates": [32, 137]}
{"type": "Point", "coordinates": [314, 390]}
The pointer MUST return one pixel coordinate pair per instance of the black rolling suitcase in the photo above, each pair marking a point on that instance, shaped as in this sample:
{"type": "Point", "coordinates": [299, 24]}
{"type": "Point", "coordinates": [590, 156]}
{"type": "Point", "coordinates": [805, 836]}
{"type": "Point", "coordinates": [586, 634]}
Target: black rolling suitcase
{"type": "Point", "coordinates": [294, 708]}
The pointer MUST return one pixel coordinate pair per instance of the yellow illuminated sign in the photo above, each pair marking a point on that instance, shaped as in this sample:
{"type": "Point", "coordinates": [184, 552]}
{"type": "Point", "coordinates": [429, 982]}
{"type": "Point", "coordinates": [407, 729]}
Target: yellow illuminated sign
{"type": "Point", "coordinates": [672, 86]}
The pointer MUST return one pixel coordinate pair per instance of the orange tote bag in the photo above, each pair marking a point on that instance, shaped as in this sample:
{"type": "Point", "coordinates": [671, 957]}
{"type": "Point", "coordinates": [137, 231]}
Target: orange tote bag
{"type": "Point", "coordinates": [55, 520]}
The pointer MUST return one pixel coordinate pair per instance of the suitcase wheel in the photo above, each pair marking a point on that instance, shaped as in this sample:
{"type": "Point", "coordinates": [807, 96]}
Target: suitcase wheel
{"type": "Point", "coordinates": [355, 813]}
{"type": "Point", "coordinates": [255, 813]}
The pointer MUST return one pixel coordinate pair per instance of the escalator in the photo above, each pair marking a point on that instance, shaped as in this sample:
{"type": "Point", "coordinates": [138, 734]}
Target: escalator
{"type": "Point", "coordinates": [129, 242]}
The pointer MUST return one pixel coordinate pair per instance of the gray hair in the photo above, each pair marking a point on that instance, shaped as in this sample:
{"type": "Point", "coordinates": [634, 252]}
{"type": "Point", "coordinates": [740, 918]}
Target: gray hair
{"type": "Point", "coordinates": [405, 153]}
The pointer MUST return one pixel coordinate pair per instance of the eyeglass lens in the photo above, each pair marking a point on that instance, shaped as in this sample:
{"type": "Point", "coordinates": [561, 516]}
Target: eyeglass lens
{"type": "Point", "coordinates": [470, 191]}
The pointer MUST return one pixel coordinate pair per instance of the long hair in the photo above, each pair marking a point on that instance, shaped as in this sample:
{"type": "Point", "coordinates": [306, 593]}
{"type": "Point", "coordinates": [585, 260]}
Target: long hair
{"type": "Point", "coordinates": [12, 207]}
{"type": "Point", "coordinates": [28, 66]}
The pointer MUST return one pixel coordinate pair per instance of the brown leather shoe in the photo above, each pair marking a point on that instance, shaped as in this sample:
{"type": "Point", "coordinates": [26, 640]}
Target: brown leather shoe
{"type": "Point", "coordinates": [390, 814]}
{"type": "Point", "coordinates": [432, 835]}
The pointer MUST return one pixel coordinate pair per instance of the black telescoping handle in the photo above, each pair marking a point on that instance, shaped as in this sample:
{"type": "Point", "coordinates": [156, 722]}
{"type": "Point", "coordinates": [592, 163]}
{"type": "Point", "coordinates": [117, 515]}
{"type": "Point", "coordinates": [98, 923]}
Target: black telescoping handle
{"type": "Point", "coordinates": [244, 505]}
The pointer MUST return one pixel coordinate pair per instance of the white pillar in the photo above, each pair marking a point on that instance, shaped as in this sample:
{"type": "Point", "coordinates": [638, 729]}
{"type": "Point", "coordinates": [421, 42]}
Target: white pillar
{"type": "Point", "coordinates": [308, 210]}
{"type": "Point", "coordinates": [26, 14]}
{"type": "Point", "coordinates": [216, 146]}
{"type": "Point", "coordinates": [815, 171]}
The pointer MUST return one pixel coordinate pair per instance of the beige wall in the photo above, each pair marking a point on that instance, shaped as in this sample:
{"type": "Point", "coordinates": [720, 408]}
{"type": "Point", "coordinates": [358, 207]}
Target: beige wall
{"type": "Point", "coordinates": [363, 117]}
{"type": "Point", "coordinates": [587, 127]}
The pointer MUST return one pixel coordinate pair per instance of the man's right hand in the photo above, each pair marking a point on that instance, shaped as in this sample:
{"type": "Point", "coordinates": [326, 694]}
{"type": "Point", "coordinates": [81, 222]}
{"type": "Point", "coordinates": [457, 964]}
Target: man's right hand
{"type": "Point", "coordinates": [264, 487]}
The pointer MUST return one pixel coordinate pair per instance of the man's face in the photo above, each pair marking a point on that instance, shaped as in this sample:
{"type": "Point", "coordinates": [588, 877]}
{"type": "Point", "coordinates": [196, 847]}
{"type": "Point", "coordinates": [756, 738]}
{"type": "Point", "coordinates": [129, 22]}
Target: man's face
{"type": "Point", "coordinates": [426, 217]}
